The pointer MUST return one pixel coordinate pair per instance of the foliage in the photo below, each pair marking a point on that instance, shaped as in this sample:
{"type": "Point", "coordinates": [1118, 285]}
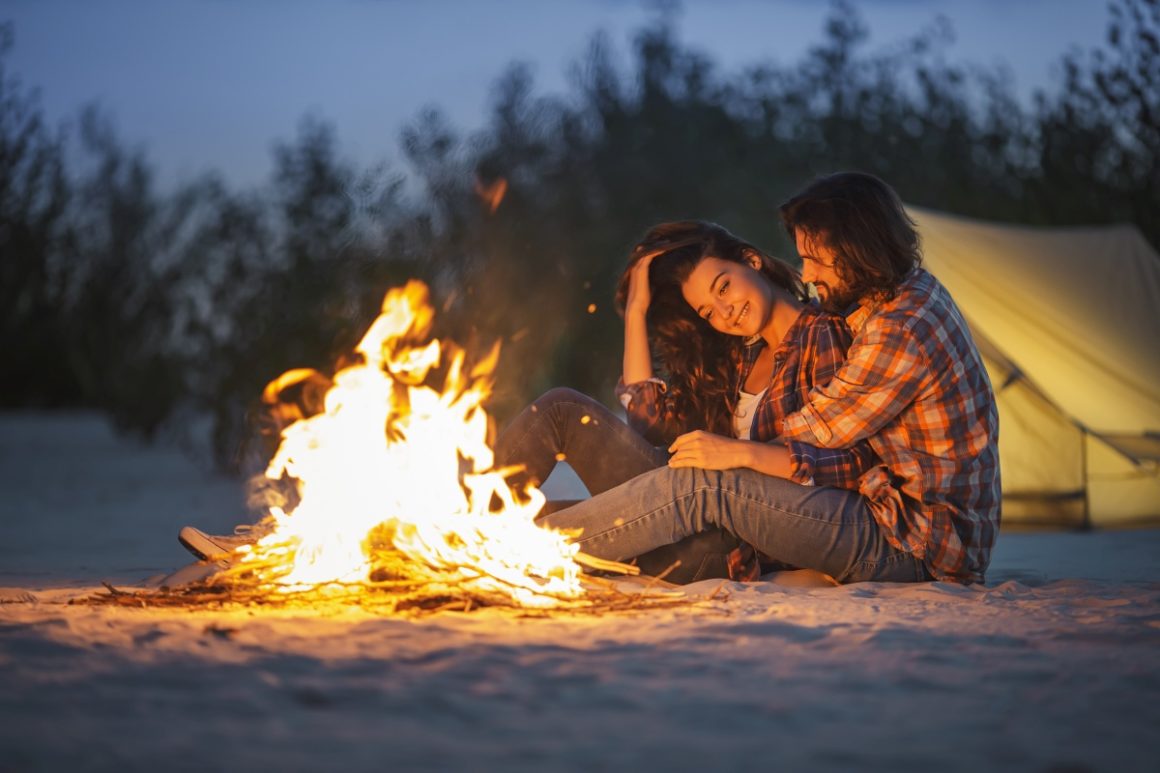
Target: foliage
{"type": "Point", "coordinates": [154, 306]}
{"type": "Point", "coordinates": [34, 195]}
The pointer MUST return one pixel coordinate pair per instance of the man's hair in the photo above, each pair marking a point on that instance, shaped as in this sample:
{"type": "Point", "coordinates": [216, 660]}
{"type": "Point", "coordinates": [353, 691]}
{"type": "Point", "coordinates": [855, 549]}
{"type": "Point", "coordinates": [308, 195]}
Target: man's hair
{"type": "Point", "coordinates": [861, 219]}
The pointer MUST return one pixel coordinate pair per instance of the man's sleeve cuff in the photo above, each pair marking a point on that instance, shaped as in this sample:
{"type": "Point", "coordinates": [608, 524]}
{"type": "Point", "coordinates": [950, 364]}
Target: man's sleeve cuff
{"type": "Point", "coordinates": [801, 462]}
{"type": "Point", "coordinates": [797, 425]}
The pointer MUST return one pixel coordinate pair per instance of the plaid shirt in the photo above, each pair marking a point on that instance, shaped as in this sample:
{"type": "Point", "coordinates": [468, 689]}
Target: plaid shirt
{"type": "Point", "coordinates": [809, 355]}
{"type": "Point", "coordinates": [915, 387]}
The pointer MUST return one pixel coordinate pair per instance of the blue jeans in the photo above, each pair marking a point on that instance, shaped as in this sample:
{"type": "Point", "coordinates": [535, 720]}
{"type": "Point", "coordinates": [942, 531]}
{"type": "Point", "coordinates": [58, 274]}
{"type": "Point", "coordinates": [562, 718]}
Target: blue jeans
{"type": "Point", "coordinates": [603, 450]}
{"type": "Point", "coordinates": [813, 527]}
{"type": "Point", "coordinates": [639, 503]}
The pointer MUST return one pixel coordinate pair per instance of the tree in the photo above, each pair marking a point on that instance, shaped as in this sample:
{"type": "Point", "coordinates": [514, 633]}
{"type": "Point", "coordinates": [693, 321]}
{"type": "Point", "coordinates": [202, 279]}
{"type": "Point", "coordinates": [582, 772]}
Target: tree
{"type": "Point", "coordinates": [1099, 136]}
{"type": "Point", "coordinates": [34, 198]}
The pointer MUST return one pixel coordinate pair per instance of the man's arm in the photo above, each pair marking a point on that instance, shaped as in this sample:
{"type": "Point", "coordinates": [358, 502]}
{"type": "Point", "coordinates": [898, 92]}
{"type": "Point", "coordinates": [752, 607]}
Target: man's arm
{"type": "Point", "coordinates": [835, 467]}
{"type": "Point", "coordinates": [825, 349]}
{"type": "Point", "coordinates": [802, 463]}
{"type": "Point", "coordinates": [882, 375]}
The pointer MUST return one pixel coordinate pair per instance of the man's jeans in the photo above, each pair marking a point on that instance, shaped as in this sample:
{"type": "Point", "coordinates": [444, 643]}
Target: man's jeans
{"type": "Point", "coordinates": [639, 503]}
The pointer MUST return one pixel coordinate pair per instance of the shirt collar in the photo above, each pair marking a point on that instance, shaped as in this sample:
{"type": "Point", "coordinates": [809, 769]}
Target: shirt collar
{"type": "Point", "coordinates": [860, 311]}
{"type": "Point", "coordinates": [857, 315]}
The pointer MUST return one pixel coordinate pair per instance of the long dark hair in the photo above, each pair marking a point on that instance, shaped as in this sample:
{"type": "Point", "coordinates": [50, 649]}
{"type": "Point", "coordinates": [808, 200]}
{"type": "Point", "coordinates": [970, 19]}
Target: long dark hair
{"type": "Point", "coordinates": [701, 365]}
{"type": "Point", "coordinates": [862, 220]}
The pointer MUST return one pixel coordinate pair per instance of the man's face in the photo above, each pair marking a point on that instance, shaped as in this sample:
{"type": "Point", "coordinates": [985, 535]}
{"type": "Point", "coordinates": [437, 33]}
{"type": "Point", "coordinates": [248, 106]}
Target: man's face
{"type": "Point", "coordinates": [819, 269]}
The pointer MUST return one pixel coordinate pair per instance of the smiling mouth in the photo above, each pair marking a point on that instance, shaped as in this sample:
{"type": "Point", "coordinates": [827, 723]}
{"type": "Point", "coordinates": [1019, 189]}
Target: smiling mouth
{"type": "Point", "coordinates": [741, 316]}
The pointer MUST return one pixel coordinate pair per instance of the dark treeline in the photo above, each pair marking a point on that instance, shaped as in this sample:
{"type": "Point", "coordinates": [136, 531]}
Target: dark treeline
{"type": "Point", "coordinates": [155, 306]}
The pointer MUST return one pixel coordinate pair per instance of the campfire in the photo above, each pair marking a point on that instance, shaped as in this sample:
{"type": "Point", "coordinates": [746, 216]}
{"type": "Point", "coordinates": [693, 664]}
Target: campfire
{"type": "Point", "coordinates": [399, 505]}
{"type": "Point", "coordinates": [396, 481]}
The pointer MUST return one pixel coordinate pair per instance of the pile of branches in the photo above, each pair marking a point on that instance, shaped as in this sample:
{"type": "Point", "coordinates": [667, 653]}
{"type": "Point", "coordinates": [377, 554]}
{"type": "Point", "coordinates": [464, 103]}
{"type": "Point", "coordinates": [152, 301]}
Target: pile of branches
{"type": "Point", "coordinates": [393, 590]}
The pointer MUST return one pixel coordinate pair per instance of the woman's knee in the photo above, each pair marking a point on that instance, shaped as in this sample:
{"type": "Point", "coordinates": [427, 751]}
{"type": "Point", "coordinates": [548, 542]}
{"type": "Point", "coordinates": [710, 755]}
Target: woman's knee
{"type": "Point", "coordinates": [563, 403]}
{"type": "Point", "coordinates": [558, 395]}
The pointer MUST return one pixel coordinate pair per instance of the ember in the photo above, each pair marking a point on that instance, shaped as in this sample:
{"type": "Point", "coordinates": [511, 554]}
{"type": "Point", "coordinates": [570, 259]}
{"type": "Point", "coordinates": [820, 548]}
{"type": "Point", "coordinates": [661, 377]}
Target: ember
{"type": "Point", "coordinates": [396, 481]}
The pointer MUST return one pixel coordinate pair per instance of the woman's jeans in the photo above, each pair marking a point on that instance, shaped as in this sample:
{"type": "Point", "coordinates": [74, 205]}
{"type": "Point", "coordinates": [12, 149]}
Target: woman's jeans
{"type": "Point", "coordinates": [639, 503]}
{"type": "Point", "coordinates": [565, 425]}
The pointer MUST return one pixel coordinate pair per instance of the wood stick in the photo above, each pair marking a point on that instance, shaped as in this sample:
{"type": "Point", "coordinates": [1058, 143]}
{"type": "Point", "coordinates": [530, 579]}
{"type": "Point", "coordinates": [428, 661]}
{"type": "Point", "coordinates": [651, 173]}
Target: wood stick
{"type": "Point", "coordinates": [604, 565]}
{"type": "Point", "coordinates": [660, 577]}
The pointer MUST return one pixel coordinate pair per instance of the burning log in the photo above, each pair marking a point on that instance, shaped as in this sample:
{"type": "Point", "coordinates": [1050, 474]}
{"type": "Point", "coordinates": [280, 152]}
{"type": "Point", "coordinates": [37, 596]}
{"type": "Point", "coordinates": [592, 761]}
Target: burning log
{"type": "Point", "coordinates": [409, 598]}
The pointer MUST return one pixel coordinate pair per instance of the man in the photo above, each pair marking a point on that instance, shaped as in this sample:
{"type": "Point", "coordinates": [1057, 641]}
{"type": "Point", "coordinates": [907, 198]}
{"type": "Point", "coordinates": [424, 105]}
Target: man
{"type": "Point", "coordinates": [913, 385]}
{"type": "Point", "coordinates": [913, 382]}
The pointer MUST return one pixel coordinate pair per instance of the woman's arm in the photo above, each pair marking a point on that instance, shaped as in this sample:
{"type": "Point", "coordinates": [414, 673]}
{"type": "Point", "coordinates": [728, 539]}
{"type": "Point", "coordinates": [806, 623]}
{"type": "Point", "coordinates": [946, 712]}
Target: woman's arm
{"type": "Point", "coordinates": [643, 396]}
{"type": "Point", "coordinates": [799, 462]}
{"type": "Point", "coordinates": [637, 357]}
{"type": "Point", "coordinates": [716, 452]}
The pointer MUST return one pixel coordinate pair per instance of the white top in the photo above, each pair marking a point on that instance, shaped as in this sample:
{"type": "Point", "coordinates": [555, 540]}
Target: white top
{"type": "Point", "coordinates": [746, 407]}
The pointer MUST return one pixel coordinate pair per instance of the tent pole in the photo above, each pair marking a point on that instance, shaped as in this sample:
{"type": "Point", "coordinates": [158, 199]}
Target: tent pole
{"type": "Point", "coordinates": [1087, 497]}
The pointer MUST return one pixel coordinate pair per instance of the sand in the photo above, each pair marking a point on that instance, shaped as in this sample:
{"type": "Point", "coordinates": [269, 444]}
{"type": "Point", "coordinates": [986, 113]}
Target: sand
{"type": "Point", "coordinates": [1054, 664]}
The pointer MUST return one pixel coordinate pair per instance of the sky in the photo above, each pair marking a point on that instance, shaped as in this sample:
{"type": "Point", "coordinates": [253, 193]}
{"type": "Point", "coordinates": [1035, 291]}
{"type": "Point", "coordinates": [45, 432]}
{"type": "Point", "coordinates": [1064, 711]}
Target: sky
{"type": "Point", "coordinates": [213, 84]}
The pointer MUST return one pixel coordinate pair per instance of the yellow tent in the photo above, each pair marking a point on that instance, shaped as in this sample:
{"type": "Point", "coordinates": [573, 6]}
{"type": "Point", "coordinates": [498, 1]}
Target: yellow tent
{"type": "Point", "coordinates": [1067, 322]}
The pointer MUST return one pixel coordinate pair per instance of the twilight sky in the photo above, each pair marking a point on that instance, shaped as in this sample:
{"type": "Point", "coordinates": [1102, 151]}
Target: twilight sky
{"type": "Point", "coordinates": [204, 84]}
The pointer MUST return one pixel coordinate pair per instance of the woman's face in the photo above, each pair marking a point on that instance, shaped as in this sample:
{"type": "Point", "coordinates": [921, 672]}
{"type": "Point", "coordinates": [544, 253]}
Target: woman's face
{"type": "Point", "coordinates": [735, 298]}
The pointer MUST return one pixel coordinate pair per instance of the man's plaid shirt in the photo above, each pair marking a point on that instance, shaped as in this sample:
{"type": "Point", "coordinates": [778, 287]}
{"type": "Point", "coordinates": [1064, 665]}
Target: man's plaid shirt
{"type": "Point", "coordinates": [914, 386]}
{"type": "Point", "coordinates": [809, 355]}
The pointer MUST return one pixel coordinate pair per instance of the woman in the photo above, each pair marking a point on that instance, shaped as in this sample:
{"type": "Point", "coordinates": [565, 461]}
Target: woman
{"type": "Point", "coordinates": [739, 347]}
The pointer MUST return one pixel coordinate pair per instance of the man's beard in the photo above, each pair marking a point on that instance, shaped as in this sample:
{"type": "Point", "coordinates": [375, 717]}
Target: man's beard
{"type": "Point", "coordinates": [836, 300]}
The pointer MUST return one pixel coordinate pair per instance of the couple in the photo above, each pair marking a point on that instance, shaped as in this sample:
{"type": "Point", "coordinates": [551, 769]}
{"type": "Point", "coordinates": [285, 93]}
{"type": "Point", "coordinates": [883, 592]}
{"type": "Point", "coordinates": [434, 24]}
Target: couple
{"type": "Point", "coordinates": [858, 439]}
{"type": "Point", "coordinates": [863, 445]}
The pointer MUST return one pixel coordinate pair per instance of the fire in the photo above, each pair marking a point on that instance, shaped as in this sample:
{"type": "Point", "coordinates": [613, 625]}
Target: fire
{"type": "Point", "coordinates": [393, 466]}
{"type": "Point", "coordinates": [491, 194]}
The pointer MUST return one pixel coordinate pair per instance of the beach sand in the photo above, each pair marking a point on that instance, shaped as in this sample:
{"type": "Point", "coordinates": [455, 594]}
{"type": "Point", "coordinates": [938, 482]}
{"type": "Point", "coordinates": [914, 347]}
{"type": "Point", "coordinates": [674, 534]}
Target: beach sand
{"type": "Point", "coordinates": [1054, 664]}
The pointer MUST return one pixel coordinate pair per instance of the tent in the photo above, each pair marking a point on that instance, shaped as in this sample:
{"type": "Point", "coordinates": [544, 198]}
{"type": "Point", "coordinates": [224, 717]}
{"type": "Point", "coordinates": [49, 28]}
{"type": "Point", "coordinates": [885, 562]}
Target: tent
{"type": "Point", "coordinates": [1066, 320]}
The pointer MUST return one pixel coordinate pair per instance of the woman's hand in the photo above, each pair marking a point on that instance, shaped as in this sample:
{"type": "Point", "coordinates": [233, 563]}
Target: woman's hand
{"type": "Point", "coordinates": [639, 294]}
{"type": "Point", "coordinates": [708, 451]}
{"type": "Point", "coordinates": [717, 452]}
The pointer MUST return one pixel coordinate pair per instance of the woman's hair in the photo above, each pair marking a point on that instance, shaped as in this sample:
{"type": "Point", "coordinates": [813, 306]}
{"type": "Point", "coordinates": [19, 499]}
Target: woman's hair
{"type": "Point", "coordinates": [701, 365]}
{"type": "Point", "coordinates": [862, 220]}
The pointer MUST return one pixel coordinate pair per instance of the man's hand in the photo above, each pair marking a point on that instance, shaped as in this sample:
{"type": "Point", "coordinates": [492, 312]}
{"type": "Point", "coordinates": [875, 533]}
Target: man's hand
{"type": "Point", "coordinates": [708, 451]}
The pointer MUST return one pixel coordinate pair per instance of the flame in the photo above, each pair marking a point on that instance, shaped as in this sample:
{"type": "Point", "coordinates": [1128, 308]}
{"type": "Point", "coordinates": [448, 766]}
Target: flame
{"type": "Point", "coordinates": [392, 464]}
{"type": "Point", "coordinates": [492, 193]}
